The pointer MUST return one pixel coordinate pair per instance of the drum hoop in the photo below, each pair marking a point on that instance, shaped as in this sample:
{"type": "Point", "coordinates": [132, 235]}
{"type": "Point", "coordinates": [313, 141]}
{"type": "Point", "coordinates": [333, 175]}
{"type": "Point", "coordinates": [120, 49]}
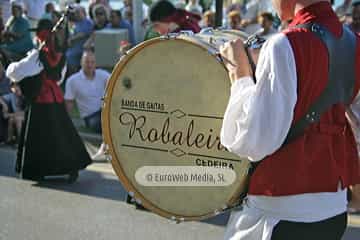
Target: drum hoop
{"type": "Point", "coordinates": [105, 122]}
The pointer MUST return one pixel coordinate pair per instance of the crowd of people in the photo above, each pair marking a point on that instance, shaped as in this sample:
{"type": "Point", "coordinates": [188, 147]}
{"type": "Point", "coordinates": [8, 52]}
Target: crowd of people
{"type": "Point", "coordinates": [19, 18]}
{"type": "Point", "coordinates": [84, 84]}
{"type": "Point", "coordinates": [31, 96]}
{"type": "Point", "coordinates": [18, 25]}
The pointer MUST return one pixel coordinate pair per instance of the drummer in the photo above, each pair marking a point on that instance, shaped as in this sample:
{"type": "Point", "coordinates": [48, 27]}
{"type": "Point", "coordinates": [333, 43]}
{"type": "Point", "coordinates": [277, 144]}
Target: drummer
{"type": "Point", "coordinates": [299, 188]}
{"type": "Point", "coordinates": [168, 19]}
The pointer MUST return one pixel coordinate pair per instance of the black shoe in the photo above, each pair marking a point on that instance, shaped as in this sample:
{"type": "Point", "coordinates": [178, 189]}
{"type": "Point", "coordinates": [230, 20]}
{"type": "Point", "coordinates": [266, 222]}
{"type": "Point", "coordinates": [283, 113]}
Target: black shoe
{"type": "Point", "coordinates": [73, 176]}
{"type": "Point", "coordinates": [140, 207]}
{"type": "Point", "coordinates": [129, 199]}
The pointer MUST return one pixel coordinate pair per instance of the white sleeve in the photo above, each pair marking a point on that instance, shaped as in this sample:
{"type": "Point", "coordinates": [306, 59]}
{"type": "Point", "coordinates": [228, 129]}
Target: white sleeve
{"type": "Point", "coordinates": [258, 116]}
{"type": "Point", "coordinates": [26, 67]}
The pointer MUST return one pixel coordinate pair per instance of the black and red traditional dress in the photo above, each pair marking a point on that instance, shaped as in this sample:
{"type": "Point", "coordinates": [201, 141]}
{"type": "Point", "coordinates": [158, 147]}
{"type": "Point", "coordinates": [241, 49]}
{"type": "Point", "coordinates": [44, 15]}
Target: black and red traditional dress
{"type": "Point", "coordinates": [49, 144]}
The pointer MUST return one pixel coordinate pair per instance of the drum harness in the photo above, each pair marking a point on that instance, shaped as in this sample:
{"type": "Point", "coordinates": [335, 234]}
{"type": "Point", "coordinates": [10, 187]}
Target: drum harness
{"type": "Point", "coordinates": [339, 88]}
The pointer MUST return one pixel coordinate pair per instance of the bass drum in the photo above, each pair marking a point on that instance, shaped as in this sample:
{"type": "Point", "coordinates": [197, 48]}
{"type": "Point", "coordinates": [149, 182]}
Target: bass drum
{"type": "Point", "coordinates": [161, 120]}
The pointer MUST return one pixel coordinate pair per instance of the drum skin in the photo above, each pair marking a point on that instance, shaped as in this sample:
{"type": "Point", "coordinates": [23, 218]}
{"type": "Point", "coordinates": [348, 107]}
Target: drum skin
{"type": "Point", "coordinates": [163, 108]}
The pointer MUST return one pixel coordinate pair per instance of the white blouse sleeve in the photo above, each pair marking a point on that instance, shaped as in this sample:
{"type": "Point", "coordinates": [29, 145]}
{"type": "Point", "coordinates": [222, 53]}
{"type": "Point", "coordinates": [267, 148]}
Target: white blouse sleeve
{"type": "Point", "coordinates": [258, 116]}
{"type": "Point", "coordinates": [26, 67]}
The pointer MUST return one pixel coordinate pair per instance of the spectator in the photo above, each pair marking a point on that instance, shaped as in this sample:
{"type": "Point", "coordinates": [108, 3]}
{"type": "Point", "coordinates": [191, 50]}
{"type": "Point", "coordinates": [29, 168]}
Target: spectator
{"type": "Point", "coordinates": [205, 4]}
{"type": "Point", "coordinates": [127, 10]}
{"type": "Point", "coordinates": [355, 24]}
{"type": "Point", "coordinates": [4, 81]}
{"type": "Point", "coordinates": [208, 19]}
{"type": "Point", "coordinates": [14, 113]}
{"type": "Point", "coordinates": [64, 3]}
{"type": "Point", "coordinates": [3, 121]}
{"type": "Point", "coordinates": [253, 9]}
{"type": "Point", "coordinates": [343, 10]}
{"type": "Point", "coordinates": [83, 27]}
{"type": "Point", "coordinates": [101, 16]}
{"type": "Point", "coordinates": [86, 88]}
{"type": "Point", "coordinates": [34, 9]}
{"type": "Point", "coordinates": [93, 3]}
{"type": "Point", "coordinates": [151, 33]}
{"type": "Point", "coordinates": [49, 10]}
{"type": "Point", "coordinates": [266, 20]}
{"type": "Point", "coordinates": [234, 20]}
{"type": "Point", "coordinates": [5, 10]}
{"type": "Point", "coordinates": [193, 6]}
{"type": "Point", "coordinates": [2, 26]}
{"type": "Point", "coordinates": [116, 21]}
{"type": "Point", "coordinates": [101, 19]}
{"type": "Point", "coordinates": [235, 6]}
{"type": "Point", "coordinates": [180, 4]}
{"type": "Point", "coordinates": [167, 19]}
{"type": "Point", "coordinates": [17, 35]}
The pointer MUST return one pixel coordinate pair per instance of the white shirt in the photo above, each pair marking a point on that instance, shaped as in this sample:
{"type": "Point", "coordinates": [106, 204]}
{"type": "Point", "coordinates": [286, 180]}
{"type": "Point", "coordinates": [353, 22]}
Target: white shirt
{"type": "Point", "coordinates": [26, 67]}
{"type": "Point", "coordinates": [87, 93]}
{"type": "Point", "coordinates": [256, 122]}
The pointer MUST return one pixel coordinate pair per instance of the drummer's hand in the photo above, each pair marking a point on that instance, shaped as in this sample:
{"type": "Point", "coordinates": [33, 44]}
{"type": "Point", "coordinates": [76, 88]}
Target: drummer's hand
{"type": "Point", "coordinates": [235, 59]}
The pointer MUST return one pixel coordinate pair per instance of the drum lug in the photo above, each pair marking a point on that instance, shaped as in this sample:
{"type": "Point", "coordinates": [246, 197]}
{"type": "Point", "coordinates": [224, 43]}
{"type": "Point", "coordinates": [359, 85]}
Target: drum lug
{"type": "Point", "coordinates": [103, 102]}
{"type": "Point", "coordinates": [213, 52]}
{"type": "Point", "coordinates": [208, 30]}
{"type": "Point", "coordinates": [108, 157]}
{"type": "Point", "coordinates": [106, 149]}
{"type": "Point", "coordinates": [170, 36]}
{"type": "Point", "coordinates": [187, 33]}
{"type": "Point", "coordinates": [217, 212]}
{"type": "Point", "coordinates": [173, 219]}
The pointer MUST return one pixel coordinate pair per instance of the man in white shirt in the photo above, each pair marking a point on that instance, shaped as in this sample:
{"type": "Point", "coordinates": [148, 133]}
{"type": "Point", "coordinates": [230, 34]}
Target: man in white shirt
{"type": "Point", "coordinates": [298, 189]}
{"type": "Point", "coordinates": [87, 88]}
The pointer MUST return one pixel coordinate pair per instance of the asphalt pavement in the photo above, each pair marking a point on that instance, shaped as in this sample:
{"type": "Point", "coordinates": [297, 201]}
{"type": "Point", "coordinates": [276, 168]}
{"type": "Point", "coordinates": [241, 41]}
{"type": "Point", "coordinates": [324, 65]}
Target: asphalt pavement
{"type": "Point", "coordinates": [92, 208]}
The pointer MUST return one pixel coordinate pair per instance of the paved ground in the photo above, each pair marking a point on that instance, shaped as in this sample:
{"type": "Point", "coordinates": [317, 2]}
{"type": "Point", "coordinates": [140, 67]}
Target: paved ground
{"type": "Point", "coordinates": [92, 208]}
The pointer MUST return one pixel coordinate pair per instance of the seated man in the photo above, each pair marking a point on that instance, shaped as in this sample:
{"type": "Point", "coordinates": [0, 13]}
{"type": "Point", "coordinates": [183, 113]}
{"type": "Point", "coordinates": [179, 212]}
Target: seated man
{"type": "Point", "coordinates": [13, 112]}
{"type": "Point", "coordinates": [86, 88]}
{"type": "Point", "coordinates": [17, 38]}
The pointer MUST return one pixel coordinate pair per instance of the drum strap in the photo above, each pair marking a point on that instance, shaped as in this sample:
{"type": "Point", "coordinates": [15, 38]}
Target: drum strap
{"type": "Point", "coordinates": [339, 89]}
{"type": "Point", "coordinates": [341, 80]}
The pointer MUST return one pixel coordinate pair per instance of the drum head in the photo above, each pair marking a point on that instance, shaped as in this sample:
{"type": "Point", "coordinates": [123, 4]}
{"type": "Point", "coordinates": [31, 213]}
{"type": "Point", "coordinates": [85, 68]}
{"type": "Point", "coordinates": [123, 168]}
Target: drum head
{"type": "Point", "coordinates": [162, 117]}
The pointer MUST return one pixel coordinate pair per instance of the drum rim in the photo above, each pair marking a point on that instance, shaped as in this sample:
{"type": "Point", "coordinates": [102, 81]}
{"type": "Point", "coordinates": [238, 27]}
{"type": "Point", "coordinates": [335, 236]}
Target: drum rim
{"type": "Point", "coordinates": [105, 122]}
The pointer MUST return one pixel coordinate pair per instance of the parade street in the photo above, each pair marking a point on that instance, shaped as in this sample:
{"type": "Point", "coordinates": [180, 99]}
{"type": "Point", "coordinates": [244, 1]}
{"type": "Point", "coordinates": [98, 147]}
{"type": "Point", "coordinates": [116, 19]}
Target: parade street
{"type": "Point", "coordinates": [92, 208]}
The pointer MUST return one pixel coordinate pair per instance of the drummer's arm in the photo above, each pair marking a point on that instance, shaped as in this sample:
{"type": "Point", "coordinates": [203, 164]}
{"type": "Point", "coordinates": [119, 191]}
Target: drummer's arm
{"type": "Point", "coordinates": [258, 116]}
